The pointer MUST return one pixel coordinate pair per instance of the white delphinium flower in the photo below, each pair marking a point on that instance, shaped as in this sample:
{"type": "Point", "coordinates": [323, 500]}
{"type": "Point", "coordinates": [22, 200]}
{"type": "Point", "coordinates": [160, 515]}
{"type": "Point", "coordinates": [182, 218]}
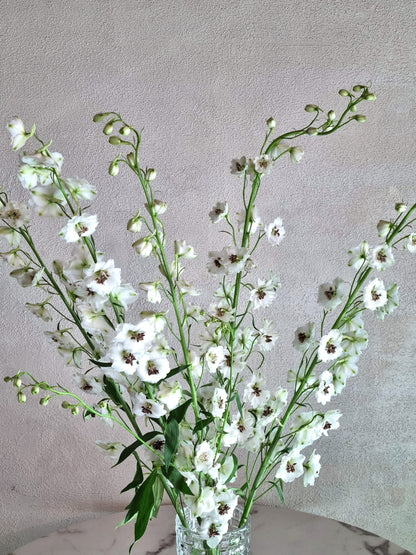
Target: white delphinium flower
{"type": "Point", "coordinates": [239, 430]}
{"type": "Point", "coordinates": [19, 136]}
{"type": "Point", "coordinates": [263, 164]}
{"type": "Point", "coordinates": [80, 188]}
{"type": "Point", "coordinates": [330, 421]}
{"type": "Point", "coordinates": [47, 201]}
{"type": "Point", "coordinates": [391, 304]}
{"type": "Point", "coordinates": [296, 154]}
{"type": "Point", "coordinates": [153, 293]}
{"type": "Point", "coordinates": [256, 440]}
{"type": "Point", "coordinates": [103, 277]}
{"type": "Point", "coordinates": [216, 264]}
{"type": "Point", "coordinates": [142, 406]}
{"type": "Point", "coordinates": [122, 358]}
{"type": "Point", "coordinates": [157, 444]}
{"type": "Point", "coordinates": [159, 207]}
{"type": "Point", "coordinates": [355, 342]}
{"type": "Point", "coordinates": [11, 235]}
{"type": "Point", "coordinates": [267, 335]}
{"type": "Point", "coordinates": [214, 357]}
{"type": "Point", "coordinates": [265, 293]}
{"type": "Point", "coordinates": [123, 295]}
{"type": "Point", "coordinates": [234, 259]}
{"type": "Point", "coordinates": [245, 338]}
{"type": "Point", "coordinates": [170, 394]}
{"type": "Point", "coordinates": [218, 402]}
{"type": "Point", "coordinates": [384, 227]}
{"type": "Point", "coordinates": [270, 410]}
{"type": "Point", "coordinates": [410, 244]}
{"type": "Point", "coordinates": [238, 362]}
{"type": "Point", "coordinates": [144, 246]}
{"type": "Point", "coordinates": [212, 529]}
{"type": "Point", "coordinates": [14, 258]}
{"type": "Point", "coordinates": [352, 324]}
{"type": "Point", "coordinates": [88, 383]}
{"type": "Point", "coordinates": [25, 276]}
{"type": "Point", "coordinates": [222, 311]}
{"type": "Point", "coordinates": [202, 501]}
{"type": "Point", "coordinates": [156, 319]}
{"type": "Point", "coordinates": [41, 160]}
{"type": "Point", "coordinates": [304, 337]}
{"type": "Point", "coordinates": [275, 231]}
{"type": "Point", "coordinates": [238, 165]}
{"type": "Point", "coordinates": [152, 368]}
{"type": "Point", "coordinates": [187, 288]}
{"type": "Point", "coordinates": [219, 212]}
{"type": "Point", "coordinates": [15, 213]}
{"type": "Point", "coordinates": [227, 472]}
{"type": "Point", "coordinates": [79, 226]}
{"type": "Point", "coordinates": [311, 469]}
{"type": "Point", "coordinates": [204, 457]}
{"type": "Point", "coordinates": [226, 502]}
{"type": "Point", "coordinates": [381, 257]}
{"type": "Point", "coordinates": [330, 295]}
{"type": "Point", "coordinates": [330, 346]}
{"type": "Point", "coordinates": [254, 221]}
{"type": "Point", "coordinates": [111, 449]}
{"type": "Point", "coordinates": [374, 294]}
{"type": "Point", "coordinates": [325, 389]}
{"type": "Point", "coordinates": [359, 255]}
{"type": "Point", "coordinates": [307, 428]}
{"type": "Point", "coordinates": [291, 466]}
{"type": "Point", "coordinates": [93, 321]}
{"type": "Point", "coordinates": [196, 365]}
{"type": "Point", "coordinates": [344, 368]}
{"type": "Point", "coordinates": [28, 176]}
{"type": "Point", "coordinates": [60, 338]}
{"type": "Point", "coordinates": [134, 225]}
{"type": "Point", "coordinates": [255, 392]}
{"type": "Point", "coordinates": [40, 310]}
{"type": "Point", "coordinates": [184, 250]}
{"type": "Point", "coordinates": [136, 338]}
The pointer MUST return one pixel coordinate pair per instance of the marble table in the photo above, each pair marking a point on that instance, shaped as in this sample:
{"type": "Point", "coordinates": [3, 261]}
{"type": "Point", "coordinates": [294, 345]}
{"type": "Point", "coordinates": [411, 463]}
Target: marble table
{"type": "Point", "coordinates": [275, 531]}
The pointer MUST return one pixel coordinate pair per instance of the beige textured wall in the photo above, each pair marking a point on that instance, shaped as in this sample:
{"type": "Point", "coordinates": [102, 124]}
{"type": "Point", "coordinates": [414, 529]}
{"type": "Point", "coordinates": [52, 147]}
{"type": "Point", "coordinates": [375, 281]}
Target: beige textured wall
{"type": "Point", "coordinates": [201, 78]}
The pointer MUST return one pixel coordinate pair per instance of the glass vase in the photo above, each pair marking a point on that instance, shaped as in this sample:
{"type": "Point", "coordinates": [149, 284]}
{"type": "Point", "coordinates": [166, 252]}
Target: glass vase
{"type": "Point", "coordinates": [235, 542]}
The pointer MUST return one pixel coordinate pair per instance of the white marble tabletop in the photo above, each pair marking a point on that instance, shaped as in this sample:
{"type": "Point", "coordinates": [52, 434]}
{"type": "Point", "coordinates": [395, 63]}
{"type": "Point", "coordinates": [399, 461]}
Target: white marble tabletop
{"type": "Point", "coordinates": [275, 531]}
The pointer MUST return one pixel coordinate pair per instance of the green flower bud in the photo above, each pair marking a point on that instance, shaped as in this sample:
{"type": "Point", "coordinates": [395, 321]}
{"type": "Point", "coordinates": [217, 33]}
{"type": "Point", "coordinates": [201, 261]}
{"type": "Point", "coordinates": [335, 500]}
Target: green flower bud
{"type": "Point", "coordinates": [312, 131]}
{"type": "Point", "coordinates": [400, 207]}
{"type": "Point", "coordinates": [21, 397]}
{"type": "Point", "coordinates": [331, 115]}
{"type": "Point", "coordinates": [7, 379]}
{"type": "Point", "coordinates": [75, 410]}
{"type": "Point", "coordinates": [66, 405]}
{"type": "Point", "coordinates": [102, 404]}
{"type": "Point", "coordinates": [131, 159]}
{"type": "Point", "coordinates": [343, 92]}
{"type": "Point", "coordinates": [35, 390]}
{"type": "Point", "coordinates": [357, 88]}
{"type": "Point", "coordinates": [99, 117]}
{"type": "Point", "coordinates": [134, 224]}
{"type": "Point", "coordinates": [44, 401]}
{"type": "Point", "coordinates": [114, 168]}
{"type": "Point", "coordinates": [353, 108]}
{"type": "Point", "coordinates": [360, 118]}
{"type": "Point", "coordinates": [114, 140]}
{"type": "Point", "coordinates": [369, 96]}
{"type": "Point", "coordinates": [17, 382]}
{"type": "Point", "coordinates": [150, 174]}
{"type": "Point", "coordinates": [311, 108]}
{"type": "Point", "coordinates": [108, 128]}
{"type": "Point", "coordinates": [271, 123]}
{"type": "Point", "coordinates": [125, 130]}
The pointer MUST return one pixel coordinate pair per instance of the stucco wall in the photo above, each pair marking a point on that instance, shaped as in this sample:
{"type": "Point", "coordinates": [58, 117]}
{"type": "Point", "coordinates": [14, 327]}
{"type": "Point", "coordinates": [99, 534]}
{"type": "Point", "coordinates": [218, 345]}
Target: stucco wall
{"type": "Point", "coordinates": [201, 78]}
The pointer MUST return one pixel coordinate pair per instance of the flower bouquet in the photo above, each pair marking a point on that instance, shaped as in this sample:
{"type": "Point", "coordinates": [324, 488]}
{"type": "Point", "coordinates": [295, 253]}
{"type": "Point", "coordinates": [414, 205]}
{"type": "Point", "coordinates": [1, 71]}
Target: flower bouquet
{"type": "Point", "coordinates": [187, 384]}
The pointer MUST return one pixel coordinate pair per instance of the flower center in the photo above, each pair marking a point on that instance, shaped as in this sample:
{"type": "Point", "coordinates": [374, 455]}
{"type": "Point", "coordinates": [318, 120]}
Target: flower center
{"type": "Point", "coordinates": [330, 293]}
{"type": "Point", "coordinates": [137, 336]}
{"type": "Point", "coordinates": [302, 337]}
{"type": "Point", "coordinates": [147, 408]}
{"type": "Point", "coordinates": [129, 358]}
{"type": "Point", "coordinates": [213, 531]}
{"type": "Point", "coordinates": [233, 258]}
{"type": "Point", "coordinates": [375, 295]}
{"type": "Point", "coordinates": [381, 256]}
{"type": "Point", "coordinates": [261, 294]}
{"type": "Point", "coordinates": [102, 277]}
{"type": "Point", "coordinates": [290, 467]}
{"type": "Point", "coordinates": [82, 229]}
{"type": "Point", "coordinates": [256, 390]}
{"type": "Point", "coordinates": [223, 508]}
{"type": "Point", "coordinates": [330, 348]}
{"type": "Point", "coordinates": [152, 369]}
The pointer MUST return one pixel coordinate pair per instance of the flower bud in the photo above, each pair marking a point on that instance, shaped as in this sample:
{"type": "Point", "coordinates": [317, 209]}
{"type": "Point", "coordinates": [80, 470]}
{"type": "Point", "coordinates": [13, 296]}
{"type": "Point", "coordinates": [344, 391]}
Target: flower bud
{"type": "Point", "coordinates": [369, 96]}
{"type": "Point", "coordinates": [75, 410]}
{"type": "Point", "coordinates": [357, 88]}
{"type": "Point", "coordinates": [114, 168]}
{"type": "Point", "coordinates": [353, 108]}
{"type": "Point", "coordinates": [17, 382]}
{"type": "Point", "coordinates": [360, 118]}
{"type": "Point", "coordinates": [114, 140]}
{"type": "Point", "coordinates": [21, 397]}
{"type": "Point", "coordinates": [143, 246]}
{"type": "Point", "coordinates": [7, 379]}
{"type": "Point", "coordinates": [311, 108]}
{"type": "Point", "coordinates": [131, 159]}
{"type": "Point", "coordinates": [125, 130]}
{"type": "Point", "coordinates": [312, 131]}
{"type": "Point", "coordinates": [150, 174]}
{"type": "Point", "coordinates": [65, 405]}
{"type": "Point", "coordinates": [102, 404]}
{"type": "Point", "coordinates": [100, 116]}
{"type": "Point", "coordinates": [135, 224]}
{"type": "Point", "coordinates": [383, 228]}
{"type": "Point", "coordinates": [271, 123]}
{"type": "Point", "coordinates": [108, 128]}
{"type": "Point", "coordinates": [400, 207]}
{"type": "Point", "coordinates": [44, 401]}
{"type": "Point", "coordinates": [331, 115]}
{"type": "Point", "coordinates": [343, 92]}
{"type": "Point", "coordinates": [35, 390]}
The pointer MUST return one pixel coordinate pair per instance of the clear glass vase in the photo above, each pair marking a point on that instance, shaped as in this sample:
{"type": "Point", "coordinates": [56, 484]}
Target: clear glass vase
{"type": "Point", "coordinates": [235, 542]}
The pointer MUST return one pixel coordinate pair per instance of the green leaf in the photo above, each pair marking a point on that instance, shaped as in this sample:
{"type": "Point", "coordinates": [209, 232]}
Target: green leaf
{"type": "Point", "coordinates": [202, 424]}
{"type": "Point", "coordinates": [239, 406]}
{"type": "Point", "coordinates": [150, 435]}
{"type": "Point", "coordinates": [158, 490]}
{"type": "Point", "coordinates": [176, 370]}
{"type": "Point", "coordinates": [145, 508]}
{"type": "Point", "coordinates": [178, 414]}
{"type": "Point", "coordinates": [279, 487]}
{"type": "Point", "coordinates": [128, 451]}
{"type": "Point", "coordinates": [137, 480]}
{"type": "Point", "coordinates": [234, 470]}
{"type": "Point", "coordinates": [178, 481]}
{"type": "Point", "coordinates": [141, 500]}
{"type": "Point", "coordinates": [113, 391]}
{"type": "Point", "coordinates": [171, 440]}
